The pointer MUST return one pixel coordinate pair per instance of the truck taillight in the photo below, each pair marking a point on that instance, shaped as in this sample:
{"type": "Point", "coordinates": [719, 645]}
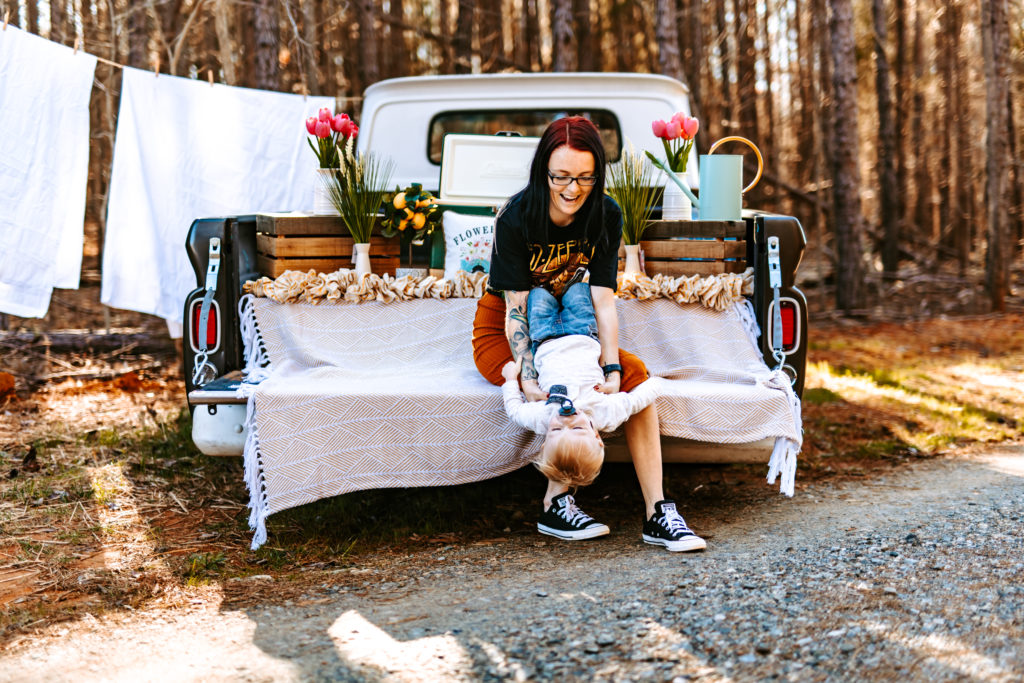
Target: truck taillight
{"type": "Point", "coordinates": [789, 326]}
{"type": "Point", "coordinates": [789, 311]}
{"type": "Point", "coordinates": [212, 327]}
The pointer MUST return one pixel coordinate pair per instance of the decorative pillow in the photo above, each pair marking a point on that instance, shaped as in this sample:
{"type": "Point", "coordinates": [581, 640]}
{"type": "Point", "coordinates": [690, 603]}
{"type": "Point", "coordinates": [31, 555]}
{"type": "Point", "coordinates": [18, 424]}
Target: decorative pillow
{"type": "Point", "coordinates": [467, 243]}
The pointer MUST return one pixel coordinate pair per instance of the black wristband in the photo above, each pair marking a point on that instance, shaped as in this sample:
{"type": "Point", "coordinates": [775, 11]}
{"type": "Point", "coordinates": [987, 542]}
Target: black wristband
{"type": "Point", "coordinates": [610, 368]}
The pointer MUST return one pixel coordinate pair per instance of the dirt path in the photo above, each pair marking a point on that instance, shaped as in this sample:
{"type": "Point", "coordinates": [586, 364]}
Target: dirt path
{"type": "Point", "coordinates": [914, 575]}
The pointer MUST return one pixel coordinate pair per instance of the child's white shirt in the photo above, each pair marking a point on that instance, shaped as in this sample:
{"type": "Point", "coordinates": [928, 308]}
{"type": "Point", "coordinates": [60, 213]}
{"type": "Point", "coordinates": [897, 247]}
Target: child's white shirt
{"type": "Point", "coordinates": [574, 361]}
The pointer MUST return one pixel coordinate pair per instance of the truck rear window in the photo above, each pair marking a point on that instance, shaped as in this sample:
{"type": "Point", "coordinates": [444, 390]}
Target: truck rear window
{"type": "Point", "coordinates": [527, 122]}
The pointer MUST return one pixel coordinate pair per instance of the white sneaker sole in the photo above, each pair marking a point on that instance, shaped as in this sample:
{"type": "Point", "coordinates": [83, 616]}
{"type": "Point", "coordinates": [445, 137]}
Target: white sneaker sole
{"type": "Point", "coordinates": [581, 535]}
{"type": "Point", "coordinates": [686, 545]}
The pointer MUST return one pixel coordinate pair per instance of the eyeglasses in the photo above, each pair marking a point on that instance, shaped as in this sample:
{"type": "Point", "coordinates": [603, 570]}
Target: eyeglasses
{"type": "Point", "coordinates": [582, 180]}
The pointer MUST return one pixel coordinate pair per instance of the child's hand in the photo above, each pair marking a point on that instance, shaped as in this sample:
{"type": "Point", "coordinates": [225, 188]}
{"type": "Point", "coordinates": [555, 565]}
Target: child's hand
{"type": "Point", "coordinates": [511, 369]}
{"type": "Point", "coordinates": [610, 384]}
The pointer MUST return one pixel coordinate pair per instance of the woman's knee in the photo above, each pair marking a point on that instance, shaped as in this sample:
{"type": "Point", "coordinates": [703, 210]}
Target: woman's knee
{"type": "Point", "coordinates": [490, 346]}
{"type": "Point", "coordinates": [634, 371]}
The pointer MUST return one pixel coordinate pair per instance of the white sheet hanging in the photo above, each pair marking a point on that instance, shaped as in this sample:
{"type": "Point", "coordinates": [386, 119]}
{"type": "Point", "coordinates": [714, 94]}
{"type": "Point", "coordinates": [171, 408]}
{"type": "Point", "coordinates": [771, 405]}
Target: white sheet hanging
{"type": "Point", "coordinates": [184, 150]}
{"type": "Point", "coordinates": [44, 167]}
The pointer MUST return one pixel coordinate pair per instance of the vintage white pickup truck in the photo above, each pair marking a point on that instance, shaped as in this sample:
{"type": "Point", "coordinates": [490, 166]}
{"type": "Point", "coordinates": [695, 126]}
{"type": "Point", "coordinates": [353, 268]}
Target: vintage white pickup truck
{"type": "Point", "coordinates": [407, 119]}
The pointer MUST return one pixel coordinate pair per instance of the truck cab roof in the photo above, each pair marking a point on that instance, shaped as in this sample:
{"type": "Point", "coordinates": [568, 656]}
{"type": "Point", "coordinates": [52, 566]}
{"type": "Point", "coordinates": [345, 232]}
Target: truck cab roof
{"type": "Point", "coordinates": [406, 119]}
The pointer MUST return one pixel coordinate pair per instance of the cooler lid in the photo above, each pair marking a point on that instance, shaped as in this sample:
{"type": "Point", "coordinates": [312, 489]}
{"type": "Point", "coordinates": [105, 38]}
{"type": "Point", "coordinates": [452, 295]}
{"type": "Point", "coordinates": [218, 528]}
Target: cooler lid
{"type": "Point", "coordinates": [484, 170]}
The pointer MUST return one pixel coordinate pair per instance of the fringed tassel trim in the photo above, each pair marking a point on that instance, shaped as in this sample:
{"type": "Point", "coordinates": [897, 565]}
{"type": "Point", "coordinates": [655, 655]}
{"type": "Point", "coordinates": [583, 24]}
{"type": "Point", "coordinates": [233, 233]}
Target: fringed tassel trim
{"type": "Point", "coordinates": [745, 310]}
{"type": "Point", "coordinates": [783, 460]}
{"type": "Point", "coordinates": [254, 477]}
{"type": "Point", "coordinates": [257, 362]}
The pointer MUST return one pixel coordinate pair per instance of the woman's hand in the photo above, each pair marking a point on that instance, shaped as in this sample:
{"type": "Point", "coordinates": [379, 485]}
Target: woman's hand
{"type": "Point", "coordinates": [610, 384]}
{"type": "Point", "coordinates": [532, 390]}
{"type": "Point", "coordinates": [510, 370]}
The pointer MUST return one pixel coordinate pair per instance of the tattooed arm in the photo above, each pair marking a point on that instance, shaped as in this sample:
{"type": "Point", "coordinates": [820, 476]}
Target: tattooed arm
{"type": "Point", "coordinates": [517, 330]}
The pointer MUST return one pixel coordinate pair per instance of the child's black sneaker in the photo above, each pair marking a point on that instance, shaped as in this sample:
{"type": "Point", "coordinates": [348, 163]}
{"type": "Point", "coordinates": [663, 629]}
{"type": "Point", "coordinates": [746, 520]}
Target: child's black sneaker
{"type": "Point", "coordinates": [566, 521]}
{"type": "Point", "coordinates": [668, 528]}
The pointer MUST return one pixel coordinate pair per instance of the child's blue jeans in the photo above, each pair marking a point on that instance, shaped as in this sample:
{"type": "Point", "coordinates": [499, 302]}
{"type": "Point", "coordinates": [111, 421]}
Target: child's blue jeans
{"type": "Point", "coordinates": [548, 318]}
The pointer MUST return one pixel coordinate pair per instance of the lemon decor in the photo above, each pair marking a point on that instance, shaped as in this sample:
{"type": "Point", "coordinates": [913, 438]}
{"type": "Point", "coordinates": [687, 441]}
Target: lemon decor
{"type": "Point", "coordinates": [411, 212]}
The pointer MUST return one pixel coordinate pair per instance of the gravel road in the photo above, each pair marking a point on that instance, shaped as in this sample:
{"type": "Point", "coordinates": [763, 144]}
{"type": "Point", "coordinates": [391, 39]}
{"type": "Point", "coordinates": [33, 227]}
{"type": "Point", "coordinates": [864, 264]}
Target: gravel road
{"type": "Point", "coordinates": [914, 576]}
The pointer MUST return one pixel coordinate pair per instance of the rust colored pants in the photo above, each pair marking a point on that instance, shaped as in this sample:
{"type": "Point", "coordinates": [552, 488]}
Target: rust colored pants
{"type": "Point", "coordinates": [491, 350]}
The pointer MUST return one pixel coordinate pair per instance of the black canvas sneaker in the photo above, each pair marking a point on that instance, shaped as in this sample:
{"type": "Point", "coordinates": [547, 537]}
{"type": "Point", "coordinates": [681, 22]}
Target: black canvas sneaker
{"type": "Point", "coordinates": [667, 528]}
{"type": "Point", "coordinates": [566, 521]}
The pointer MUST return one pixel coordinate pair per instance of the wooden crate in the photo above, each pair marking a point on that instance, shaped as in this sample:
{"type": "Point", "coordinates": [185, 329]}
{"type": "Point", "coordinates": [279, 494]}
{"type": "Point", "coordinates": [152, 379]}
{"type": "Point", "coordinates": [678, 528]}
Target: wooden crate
{"type": "Point", "coordinates": [322, 243]}
{"type": "Point", "coordinates": [677, 248]}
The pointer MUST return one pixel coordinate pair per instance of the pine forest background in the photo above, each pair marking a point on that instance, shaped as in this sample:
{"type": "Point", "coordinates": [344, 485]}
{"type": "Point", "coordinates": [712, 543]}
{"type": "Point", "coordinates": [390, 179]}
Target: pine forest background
{"type": "Point", "coordinates": [891, 128]}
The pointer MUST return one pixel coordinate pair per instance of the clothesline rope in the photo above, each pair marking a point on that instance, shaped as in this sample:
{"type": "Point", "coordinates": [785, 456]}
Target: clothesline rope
{"type": "Point", "coordinates": [79, 45]}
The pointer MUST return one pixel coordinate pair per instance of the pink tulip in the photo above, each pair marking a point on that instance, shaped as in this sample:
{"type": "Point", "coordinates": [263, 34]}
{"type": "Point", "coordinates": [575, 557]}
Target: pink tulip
{"type": "Point", "coordinates": [325, 114]}
{"type": "Point", "coordinates": [658, 127]}
{"type": "Point", "coordinates": [690, 126]}
{"type": "Point", "coordinates": [323, 129]}
{"type": "Point", "coordinates": [353, 131]}
{"type": "Point", "coordinates": [311, 125]}
{"type": "Point", "coordinates": [679, 117]}
{"type": "Point", "coordinates": [673, 130]}
{"type": "Point", "coordinates": [340, 123]}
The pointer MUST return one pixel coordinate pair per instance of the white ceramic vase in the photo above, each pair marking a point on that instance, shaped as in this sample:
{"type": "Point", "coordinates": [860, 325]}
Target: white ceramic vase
{"type": "Point", "coordinates": [322, 204]}
{"type": "Point", "coordinates": [362, 258]}
{"type": "Point", "coordinates": [632, 259]}
{"type": "Point", "coordinates": [676, 206]}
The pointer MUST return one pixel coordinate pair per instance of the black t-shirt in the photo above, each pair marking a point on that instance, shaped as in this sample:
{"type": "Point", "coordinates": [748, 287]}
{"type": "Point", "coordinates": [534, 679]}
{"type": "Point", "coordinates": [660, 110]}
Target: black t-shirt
{"type": "Point", "coordinates": [522, 259]}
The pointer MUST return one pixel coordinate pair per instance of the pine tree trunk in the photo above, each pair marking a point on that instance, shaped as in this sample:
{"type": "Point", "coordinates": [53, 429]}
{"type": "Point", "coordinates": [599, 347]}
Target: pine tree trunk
{"type": "Point", "coordinates": [58, 22]}
{"type": "Point", "coordinates": [369, 56]}
{"type": "Point", "coordinates": [586, 51]}
{"type": "Point", "coordinates": [902, 89]}
{"type": "Point", "coordinates": [490, 35]}
{"type": "Point", "coordinates": [666, 36]}
{"type": "Point", "coordinates": [965, 172]}
{"type": "Point", "coordinates": [32, 17]}
{"type": "Point", "coordinates": [995, 47]}
{"type": "Point", "coordinates": [1016, 181]}
{"type": "Point", "coordinates": [266, 27]}
{"type": "Point", "coordinates": [724, 103]}
{"type": "Point", "coordinates": [311, 38]}
{"type": "Point", "coordinates": [564, 41]}
{"type": "Point", "coordinates": [845, 174]}
{"type": "Point", "coordinates": [137, 37]}
{"type": "Point", "coordinates": [947, 192]}
{"type": "Point", "coordinates": [224, 22]}
{"type": "Point", "coordinates": [399, 46]}
{"type": "Point", "coordinates": [825, 150]}
{"type": "Point", "coordinates": [767, 139]}
{"type": "Point", "coordinates": [889, 209]}
{"type": "Point", "coordinates": [536, 59]}
{"type": "Point", "coordinates": [746, 69]}
{"type": "Point", "coordinates": [462, 42]}
{"type": "Point", "coordinates": [922, 188]}
{"type": "Point", "coordinates": [691, 43]}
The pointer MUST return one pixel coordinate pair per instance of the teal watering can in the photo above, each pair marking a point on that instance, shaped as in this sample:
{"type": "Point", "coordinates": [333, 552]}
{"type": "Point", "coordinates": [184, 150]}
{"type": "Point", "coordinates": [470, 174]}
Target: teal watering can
{"type": "Point", "coordinates": [721, 182]}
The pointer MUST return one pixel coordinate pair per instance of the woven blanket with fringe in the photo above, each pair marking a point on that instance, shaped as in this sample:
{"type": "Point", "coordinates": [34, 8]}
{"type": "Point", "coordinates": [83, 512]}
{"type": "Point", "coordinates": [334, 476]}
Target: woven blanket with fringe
{"type": "Point", "coordinates": [345, 397]}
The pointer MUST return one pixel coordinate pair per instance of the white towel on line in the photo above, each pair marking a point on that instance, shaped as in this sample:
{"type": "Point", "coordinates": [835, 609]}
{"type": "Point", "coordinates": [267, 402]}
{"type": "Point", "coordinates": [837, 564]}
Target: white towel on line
{"type": "Point", "coordinates": [184, 150]}
{"type": "Point", "coordinates": [44, 168]}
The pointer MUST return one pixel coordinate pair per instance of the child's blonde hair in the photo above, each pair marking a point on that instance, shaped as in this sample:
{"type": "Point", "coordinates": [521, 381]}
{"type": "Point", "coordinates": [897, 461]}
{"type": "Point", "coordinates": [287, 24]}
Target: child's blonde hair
{"type": "Point", "coordinates": [572, 459]}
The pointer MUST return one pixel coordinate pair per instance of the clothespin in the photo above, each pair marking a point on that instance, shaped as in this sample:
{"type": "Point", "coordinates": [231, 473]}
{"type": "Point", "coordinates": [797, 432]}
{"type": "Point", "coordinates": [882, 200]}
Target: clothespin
{"type": "Point", "coordinates": [156, 70]}
{"type": "Point", "coordinates": [305, 92]}
{"type": "Point", "coordinates": [209, 76]}
{"type": "Point", "coordinates": [7, 17]}
{"type": "Point", "coordinates": [78, 44]}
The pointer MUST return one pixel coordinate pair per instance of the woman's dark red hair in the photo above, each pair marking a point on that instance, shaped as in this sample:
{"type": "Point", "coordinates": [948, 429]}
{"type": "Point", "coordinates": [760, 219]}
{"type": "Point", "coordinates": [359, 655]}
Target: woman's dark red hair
{"type": "Point", "coordinates": [581, 134]}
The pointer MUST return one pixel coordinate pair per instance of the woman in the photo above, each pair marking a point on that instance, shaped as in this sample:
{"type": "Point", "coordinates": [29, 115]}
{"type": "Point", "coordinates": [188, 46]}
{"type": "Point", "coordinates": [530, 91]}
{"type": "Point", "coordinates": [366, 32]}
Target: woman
{"type": "Point", "coordinates": [550, 234]}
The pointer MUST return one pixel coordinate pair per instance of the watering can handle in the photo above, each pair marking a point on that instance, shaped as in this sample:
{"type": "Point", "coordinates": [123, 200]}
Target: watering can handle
{"type": "Point", "coordinates": [760, 160]}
